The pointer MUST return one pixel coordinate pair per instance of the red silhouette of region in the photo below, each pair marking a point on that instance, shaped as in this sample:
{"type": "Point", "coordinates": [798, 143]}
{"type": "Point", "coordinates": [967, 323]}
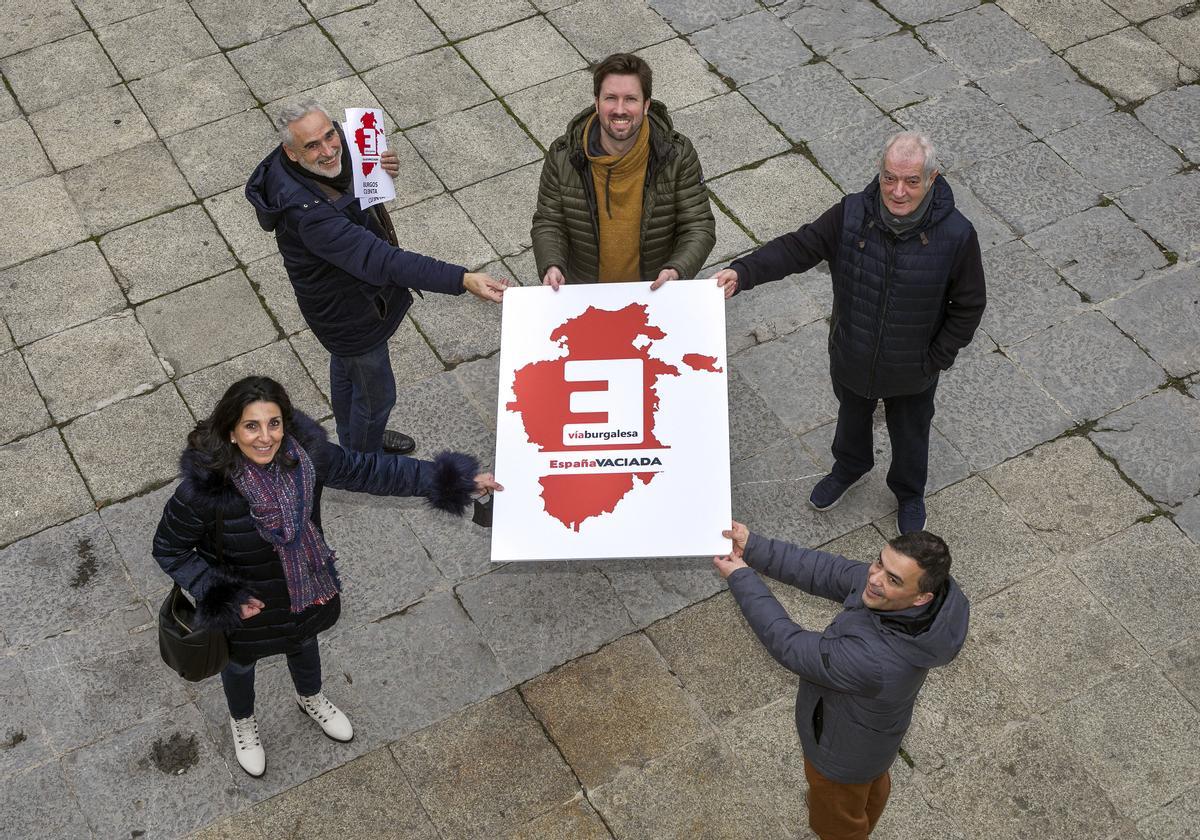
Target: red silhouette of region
{"type": "Point", "coordinates": [595, 334]}
{"type": "Point", "coordinates": [360, 140]}
{"type": "Point", "coordinates": [697, 362]}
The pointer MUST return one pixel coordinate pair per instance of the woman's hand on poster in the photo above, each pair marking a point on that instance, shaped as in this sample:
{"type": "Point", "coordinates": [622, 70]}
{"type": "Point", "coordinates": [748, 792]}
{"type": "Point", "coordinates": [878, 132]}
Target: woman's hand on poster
{"type": "Point", "coordinates": [390, 163]}
{"type": "Point", "coordinates": [251, 608]}
{"type": "Point", "coordinates": [486, 483]}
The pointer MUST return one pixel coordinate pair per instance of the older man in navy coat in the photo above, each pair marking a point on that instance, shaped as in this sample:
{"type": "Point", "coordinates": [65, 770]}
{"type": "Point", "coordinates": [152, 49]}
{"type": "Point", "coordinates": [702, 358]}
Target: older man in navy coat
{"type": "Point", "coordinates": [351, 278]}
{"type": "Point", "coordinates": [908, 293]}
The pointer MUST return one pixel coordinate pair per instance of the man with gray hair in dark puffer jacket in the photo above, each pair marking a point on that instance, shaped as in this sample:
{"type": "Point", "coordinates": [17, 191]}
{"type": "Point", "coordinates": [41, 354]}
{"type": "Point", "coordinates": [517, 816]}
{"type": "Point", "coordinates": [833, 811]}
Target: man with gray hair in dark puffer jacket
{"type": "Point", "coordinates": [859, 677]}
{"type": "Point", "coordinates": [908, 293]}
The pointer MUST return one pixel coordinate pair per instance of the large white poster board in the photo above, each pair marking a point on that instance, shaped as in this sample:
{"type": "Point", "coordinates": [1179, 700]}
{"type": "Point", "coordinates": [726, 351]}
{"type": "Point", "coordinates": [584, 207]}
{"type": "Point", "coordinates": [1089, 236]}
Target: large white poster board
{"type": "Point", "coordinates": [612, 429]}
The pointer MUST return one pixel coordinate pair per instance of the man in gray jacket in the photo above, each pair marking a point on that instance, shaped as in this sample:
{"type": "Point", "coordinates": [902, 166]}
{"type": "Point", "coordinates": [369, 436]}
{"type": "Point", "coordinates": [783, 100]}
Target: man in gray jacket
{"type": "Point", "coordinates": [902, 615]}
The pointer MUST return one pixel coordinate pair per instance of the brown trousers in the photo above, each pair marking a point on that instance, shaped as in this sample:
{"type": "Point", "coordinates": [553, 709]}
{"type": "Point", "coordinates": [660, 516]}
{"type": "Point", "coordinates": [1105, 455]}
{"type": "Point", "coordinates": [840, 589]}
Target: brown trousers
{"type": "Point", "coordinates": [838, 811]}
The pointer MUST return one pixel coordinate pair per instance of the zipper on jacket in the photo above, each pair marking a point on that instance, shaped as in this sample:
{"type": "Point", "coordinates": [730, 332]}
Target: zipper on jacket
{"type": "Point", "coordinates": [889, 246]}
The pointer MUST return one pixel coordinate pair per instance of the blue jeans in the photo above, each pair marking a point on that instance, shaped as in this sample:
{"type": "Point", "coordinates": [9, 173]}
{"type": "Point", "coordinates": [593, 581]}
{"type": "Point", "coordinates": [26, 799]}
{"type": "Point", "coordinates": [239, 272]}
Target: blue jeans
{"type": "Point", "coordinates": [908, 418]}
{"type": "Point", "coordinates": [238, 680]}
{"type": "Point", "coordinates": [363, 391]}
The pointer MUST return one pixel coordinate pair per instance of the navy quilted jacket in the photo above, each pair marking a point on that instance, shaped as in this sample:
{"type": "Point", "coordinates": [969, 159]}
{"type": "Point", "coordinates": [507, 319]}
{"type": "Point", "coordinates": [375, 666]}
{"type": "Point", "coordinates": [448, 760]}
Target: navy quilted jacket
{"type": "Point", "coordinates": [902, 306]}
{"type": "Point", "coordinates": [352, 285]}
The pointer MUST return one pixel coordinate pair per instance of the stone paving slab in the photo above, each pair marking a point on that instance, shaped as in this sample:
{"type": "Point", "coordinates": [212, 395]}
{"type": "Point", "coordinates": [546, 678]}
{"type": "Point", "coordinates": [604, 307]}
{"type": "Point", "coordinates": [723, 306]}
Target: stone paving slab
{"type": "Point", "coordinates": [94, 365]}
{"type": "Point", "coordinates": [24, 410]}
{"type": "Point", "coordinates": [1087, 647]}
{"type": "Point", "coordinates": [718, 660]}
{"type": "Point", "coordinates": [1062, 25]}
{"type": "Point", "coordinates": [1099, 251]}
{"type": "Point", "coordinates": [521, 55]}
{"type": "Point", "coordinates": [537, 616]}
{"type": "Point", "coordinates": [684, 791]}
{"type": "Point", "coordinates": [1128, 65]}
{"type": "Point", "coordinates": [1167, 211]}
{"type": "Point", "coordinates": [60, 290]}
{"type": "Point", "coordinates": [1143, 576]}
{"type": "Point", "coordinates": [1115, 152]}
{"type": "Point", "coordinates": [1135, 734]}
{"type": "Point", "coordinates": [40, 803]}
{"type": "Point", "coordinates": [1062, 359]}
{"type": "Point", "coordinates": [179, 776]}
{"type": "Point", "coordinates": [1039, 788]}
{"type": "Point", "coordinates": [1067, 493]}
{"type": "Point", "coordinates": [488, 768]}
{"type": "Point", "coordinates": [1156, 441]}
{"type": "Point", "coordinates": [45, 76]}
{"type": "Point", "coordinates": [368, 796]}
{"type": "Point", "coordinates": [620, 707]}
{"type": "Point", "coordinates": [1031, 187]}
{"type": "Point", "coordinates": [44, 487]}
{"type": "Point", "coordinates": [751, 47]}
{"type": "Point", "coordinates": [111, 469]}
{"type": "Point", "coordinates": [1046, 95]}
{"type": "Point", "coordinates": [189, 95]}
{"type": "Point", "coordinates": [1174, 115]}
{"type": "Point", "coordinates": [1029, 415]}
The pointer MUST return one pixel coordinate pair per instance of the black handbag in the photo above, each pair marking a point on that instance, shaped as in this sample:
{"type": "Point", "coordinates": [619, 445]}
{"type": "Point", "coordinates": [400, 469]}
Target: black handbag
{"type": "Point", "coordinates": [195, 653]}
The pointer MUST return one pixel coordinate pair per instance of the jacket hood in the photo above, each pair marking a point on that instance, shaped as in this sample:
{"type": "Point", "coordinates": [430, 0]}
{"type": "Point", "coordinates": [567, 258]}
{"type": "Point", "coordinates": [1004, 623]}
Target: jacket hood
{"type": "Point", "coordinates": [209, 487]}
{"type": "Point", "coordinates": [941, 641]}
{"type": "Point", "coordinates": [273, 188]}
{"type": "Point", "coordinates": [660, 136]}
{"type": "Point", "coordinates": [941, 206]}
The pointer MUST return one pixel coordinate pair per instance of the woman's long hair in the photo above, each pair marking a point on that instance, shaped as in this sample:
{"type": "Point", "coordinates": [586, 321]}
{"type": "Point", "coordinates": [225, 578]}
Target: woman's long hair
{"type": "Point", "coordinates": [211, 436]}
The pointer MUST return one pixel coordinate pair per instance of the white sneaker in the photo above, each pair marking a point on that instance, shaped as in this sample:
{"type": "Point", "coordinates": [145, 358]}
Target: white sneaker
{"type": "Point", "coordinates": [330, 718]}
{"type": "Point", "coordinates": [247, 746]}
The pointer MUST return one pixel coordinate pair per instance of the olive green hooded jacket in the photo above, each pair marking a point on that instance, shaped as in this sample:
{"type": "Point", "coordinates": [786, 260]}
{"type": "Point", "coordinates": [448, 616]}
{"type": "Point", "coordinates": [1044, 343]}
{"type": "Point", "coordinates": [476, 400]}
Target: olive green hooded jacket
{"type": "Point", "coordinates": [678, 230]}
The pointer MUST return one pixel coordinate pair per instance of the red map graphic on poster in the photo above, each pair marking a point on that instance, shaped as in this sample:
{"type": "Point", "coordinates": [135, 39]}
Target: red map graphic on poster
{"type": "Point", "coordinates": [697, 362]}
{"type": "Point", "coordinates": [543, 399]}
{"type": "Point", "coordinates": [367, 141]}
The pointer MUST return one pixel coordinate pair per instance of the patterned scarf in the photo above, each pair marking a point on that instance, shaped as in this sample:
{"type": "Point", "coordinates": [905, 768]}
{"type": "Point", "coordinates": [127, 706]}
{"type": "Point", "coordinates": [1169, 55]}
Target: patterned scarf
{"type": "Point", "coordinates": [281, 505]}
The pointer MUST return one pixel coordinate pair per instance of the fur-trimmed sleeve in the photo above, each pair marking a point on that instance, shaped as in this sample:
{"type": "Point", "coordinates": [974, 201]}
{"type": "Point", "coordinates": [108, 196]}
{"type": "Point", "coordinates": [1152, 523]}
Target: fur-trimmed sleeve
{"type": "Point", "coordinates": [447, 482]}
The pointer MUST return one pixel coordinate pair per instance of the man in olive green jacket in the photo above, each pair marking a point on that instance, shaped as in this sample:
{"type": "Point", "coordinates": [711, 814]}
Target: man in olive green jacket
{"type": "Point", "coordinates": [622, 194]}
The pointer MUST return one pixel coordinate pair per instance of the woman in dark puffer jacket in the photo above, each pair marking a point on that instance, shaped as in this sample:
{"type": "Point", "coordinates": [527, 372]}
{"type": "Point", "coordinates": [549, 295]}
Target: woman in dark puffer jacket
{"type": "Point", "coordinates": [242, 535]}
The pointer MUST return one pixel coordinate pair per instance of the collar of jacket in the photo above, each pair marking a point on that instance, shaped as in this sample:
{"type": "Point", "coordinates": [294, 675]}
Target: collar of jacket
{"type": "Point", "coordinates": [661, 130]}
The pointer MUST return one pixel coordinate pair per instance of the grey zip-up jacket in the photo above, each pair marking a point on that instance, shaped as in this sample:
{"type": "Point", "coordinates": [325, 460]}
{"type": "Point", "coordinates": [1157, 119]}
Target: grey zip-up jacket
{"type": "Point", "coordinates": [859, 677]}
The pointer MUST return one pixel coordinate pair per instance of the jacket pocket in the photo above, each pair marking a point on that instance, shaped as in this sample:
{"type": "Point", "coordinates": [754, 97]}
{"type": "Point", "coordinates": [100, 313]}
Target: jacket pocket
{"type": "Point", "coordinates": [381, 306]}
{"type": "Point", "coordinates": [818, 719]}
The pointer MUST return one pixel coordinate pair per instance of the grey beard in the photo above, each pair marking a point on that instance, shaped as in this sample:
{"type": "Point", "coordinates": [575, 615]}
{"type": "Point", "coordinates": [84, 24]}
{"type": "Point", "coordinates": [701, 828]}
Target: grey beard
{"type": "Point", "coordinates": [316, 170]}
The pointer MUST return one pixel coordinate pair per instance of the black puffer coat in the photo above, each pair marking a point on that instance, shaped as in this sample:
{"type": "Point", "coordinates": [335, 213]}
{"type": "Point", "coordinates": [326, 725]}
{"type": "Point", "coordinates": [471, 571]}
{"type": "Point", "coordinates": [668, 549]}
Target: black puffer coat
{"type": "Point", "coordinates": [249, 565]}
{"type": "Point", "coordinates": [903, 306]}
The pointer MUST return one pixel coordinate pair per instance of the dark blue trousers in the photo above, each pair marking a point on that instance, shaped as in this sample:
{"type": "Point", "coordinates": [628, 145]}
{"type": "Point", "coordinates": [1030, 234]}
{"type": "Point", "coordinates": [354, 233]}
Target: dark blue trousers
{"type": "Point", "coordinates": [363, 391]}
{"type": "Point", "coordinates": [238, 680]}
{"type": "Point", "coordinates": [908, 420]}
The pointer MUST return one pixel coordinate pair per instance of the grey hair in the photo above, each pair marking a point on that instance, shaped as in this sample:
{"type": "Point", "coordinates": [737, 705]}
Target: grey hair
{"type": "Point", "coordinates": [912, 141]}
{"type": "Point", "coordinates": [296, 110]}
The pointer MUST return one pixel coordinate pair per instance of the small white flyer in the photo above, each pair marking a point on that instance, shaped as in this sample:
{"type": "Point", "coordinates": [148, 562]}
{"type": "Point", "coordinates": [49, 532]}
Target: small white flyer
{"type": "Point", "coordinates": [364, 132]}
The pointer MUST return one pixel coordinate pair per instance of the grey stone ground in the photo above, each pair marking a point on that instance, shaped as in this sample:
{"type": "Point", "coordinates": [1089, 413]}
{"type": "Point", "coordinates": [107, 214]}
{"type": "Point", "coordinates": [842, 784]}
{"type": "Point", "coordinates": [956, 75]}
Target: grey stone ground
{"type": "Point", "coordinates": [619, 699]}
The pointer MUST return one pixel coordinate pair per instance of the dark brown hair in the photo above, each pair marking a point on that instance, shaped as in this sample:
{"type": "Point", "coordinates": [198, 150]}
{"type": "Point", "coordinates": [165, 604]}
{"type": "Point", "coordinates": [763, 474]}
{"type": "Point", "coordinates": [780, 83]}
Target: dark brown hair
{"type": "Point", "coordinates": [211, 435]}
{"type": "Point", "coordinates": [623, 64]}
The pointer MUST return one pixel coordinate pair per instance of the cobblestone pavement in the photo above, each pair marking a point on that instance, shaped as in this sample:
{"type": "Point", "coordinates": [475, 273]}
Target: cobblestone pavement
{"type": "Point", "coordinates": [621, 699]}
